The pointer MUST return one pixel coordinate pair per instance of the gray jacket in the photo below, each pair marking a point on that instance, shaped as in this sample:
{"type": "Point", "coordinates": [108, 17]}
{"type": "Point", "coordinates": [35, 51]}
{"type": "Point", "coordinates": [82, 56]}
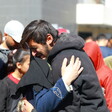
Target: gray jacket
{"type": "Point", "coordinates": [3, 62]}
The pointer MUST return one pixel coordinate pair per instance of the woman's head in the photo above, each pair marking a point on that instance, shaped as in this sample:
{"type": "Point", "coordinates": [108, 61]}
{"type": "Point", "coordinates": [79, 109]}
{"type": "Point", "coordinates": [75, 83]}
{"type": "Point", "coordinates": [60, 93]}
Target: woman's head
{"type": "Point", "coordinates": [19, 60]}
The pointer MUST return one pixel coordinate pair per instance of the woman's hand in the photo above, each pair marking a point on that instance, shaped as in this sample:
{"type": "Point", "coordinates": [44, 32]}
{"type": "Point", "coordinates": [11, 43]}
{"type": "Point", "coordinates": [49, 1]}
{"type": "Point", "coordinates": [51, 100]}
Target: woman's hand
{"type": "Point", "coordinates": [27, 107]}
{"type": "Point", "coordinates": [71, 71]}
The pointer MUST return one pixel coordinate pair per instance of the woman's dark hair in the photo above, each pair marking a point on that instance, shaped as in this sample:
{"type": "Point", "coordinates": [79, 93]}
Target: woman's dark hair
{"type": "Point", "coordinates": [13, 58]}
{"type": "Point", "coordinates": [37, 31]}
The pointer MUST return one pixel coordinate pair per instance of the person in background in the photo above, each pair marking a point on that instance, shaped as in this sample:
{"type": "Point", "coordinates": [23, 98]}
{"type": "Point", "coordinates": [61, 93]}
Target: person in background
{"type": "Point", "coordinates": [108, 61]}
{"type": "Point", "coordinates": [12, 33]}
{"type": "Point", "coordinates": [109, 44]}
{"type": "Point", "coordinates": [18, 64]}
{"type": "Point", "coordinates": [102, 41]}
{"type": "Point", "coordinates": [62, 30]}
{"type": "Point", "coordinates": [103, 72]}
{"type": "Point", "coordinates": [86, 36]}
{"type": "Point", "coordinates": [45, 43]}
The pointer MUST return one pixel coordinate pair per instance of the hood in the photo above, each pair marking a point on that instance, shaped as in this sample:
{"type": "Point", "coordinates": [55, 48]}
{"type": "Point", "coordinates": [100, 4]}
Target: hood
{"type": "Point", "coordinates": [94, 52]}
{"type": "Point", "coordinates": [38, 75]}
{"type": "Point", "coordinates": [66, 41]}
{"type": "Point", "coordinates": [3, 55]}
{"type": "Point", "coordinates": [5, 51]}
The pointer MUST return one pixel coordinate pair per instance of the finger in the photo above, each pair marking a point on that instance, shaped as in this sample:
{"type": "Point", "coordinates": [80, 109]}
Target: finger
{"type": "Point", "coordinates": [80, 70]}
{"type": "Point", "coordinates": [72, 59]}
{"type": "Point", "coordinates": [77, 64]}
{"type": "Point", "coordinates": [25, 102]}
{"type": "Point", "coordinates": [64, 64]}
{"type": "Point", "coordinates": [23, 108]}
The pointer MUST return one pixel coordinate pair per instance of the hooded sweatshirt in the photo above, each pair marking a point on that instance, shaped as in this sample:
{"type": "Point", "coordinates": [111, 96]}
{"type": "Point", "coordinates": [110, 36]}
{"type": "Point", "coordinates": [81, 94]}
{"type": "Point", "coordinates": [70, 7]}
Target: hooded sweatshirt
{"type": "Point", "coordinates": [87, 95]}
{"type": "Point", "coordinates": [3, 62]}
{"type": "Point", "coordinates": [108, 61]}
{"type": "Point", "coordinates": [104, 73]}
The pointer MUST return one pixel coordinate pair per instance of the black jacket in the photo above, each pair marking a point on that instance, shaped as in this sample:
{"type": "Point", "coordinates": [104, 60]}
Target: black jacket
{"type": "Point", "coordinates": [37, 78]}
{"type": "Point", "coordinates": [7, 87]}
{"type": "Point", "coordinates": [87, 95]}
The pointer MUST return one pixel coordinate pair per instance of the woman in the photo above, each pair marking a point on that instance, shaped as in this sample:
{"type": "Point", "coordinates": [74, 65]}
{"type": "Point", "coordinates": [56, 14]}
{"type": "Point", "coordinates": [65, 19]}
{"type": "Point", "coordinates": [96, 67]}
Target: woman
{"type": "Point", "coordinates": [48, 98]}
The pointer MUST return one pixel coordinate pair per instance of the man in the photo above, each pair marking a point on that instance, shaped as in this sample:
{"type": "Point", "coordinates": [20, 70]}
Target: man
{"type": "Point", "coordinates": [12, 36]}
{"type": "Point", "coordinates": [44, 42]}
{"type": "Point", "coordinates": [102, 41]}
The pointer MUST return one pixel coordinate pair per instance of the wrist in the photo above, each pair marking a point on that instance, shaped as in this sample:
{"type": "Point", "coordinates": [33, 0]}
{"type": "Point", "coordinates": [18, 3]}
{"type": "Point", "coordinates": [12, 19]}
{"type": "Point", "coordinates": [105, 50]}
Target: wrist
{"type": "Point", "coordinates": [67, 85]}
{"type": "Point", "coordinates": [66, 81]}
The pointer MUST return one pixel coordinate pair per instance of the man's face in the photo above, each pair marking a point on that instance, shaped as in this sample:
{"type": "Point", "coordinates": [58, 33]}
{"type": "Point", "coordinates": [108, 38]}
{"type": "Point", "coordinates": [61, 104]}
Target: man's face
{"type": "Point", "coordinates": [39, 50]}
{"type": "Point", "coordinates": [11, 43]}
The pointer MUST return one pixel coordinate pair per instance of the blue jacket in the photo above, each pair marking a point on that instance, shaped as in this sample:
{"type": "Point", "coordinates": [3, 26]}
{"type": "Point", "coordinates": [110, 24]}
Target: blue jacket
{"type": "Point", "coordinates": [38, 88]}
{"type": "Point", "coordinates": [106, 51]}
{"type": "Point", "coordinates": [36, 85]}
{"type": "Point", "coordinates": [47, 99]}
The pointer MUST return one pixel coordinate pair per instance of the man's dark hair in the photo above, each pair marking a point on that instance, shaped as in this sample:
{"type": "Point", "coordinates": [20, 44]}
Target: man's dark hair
{"type": "Point", "coordinates": [37, 31]}
{"type": "Point", "coordinates": [101, 36]}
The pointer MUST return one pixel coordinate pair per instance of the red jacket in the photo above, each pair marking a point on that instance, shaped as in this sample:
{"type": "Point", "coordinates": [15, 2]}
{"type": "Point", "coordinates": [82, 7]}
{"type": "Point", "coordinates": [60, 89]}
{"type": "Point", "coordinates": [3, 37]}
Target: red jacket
{"type": "Point", "coordinates": [103, 72]}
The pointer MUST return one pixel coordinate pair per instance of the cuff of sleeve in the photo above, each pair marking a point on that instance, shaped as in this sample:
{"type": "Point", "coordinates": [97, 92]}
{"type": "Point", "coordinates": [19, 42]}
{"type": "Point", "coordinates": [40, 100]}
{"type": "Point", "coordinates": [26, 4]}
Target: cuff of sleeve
{"type": "Point", "coordinates": [34, 110]}
{"type": "Point", "coordinates": [68, 88]}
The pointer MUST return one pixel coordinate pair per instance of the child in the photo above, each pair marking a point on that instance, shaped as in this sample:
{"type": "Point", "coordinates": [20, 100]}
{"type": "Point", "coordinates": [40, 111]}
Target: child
{"type": "Point", "coordinates": [17, 66]}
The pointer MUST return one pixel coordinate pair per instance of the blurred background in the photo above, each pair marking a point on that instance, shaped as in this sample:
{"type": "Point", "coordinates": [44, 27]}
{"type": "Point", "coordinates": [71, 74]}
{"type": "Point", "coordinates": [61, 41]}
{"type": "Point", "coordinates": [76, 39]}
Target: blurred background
{"type": "Point", "coordinates": [84, 17]}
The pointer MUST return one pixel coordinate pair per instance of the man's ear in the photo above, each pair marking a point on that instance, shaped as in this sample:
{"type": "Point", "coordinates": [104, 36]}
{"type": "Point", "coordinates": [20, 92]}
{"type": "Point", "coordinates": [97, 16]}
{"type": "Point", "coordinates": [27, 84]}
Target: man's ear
{"type": "Point", "coordinates": [5, 34]}
{"type": "Point", "coordinates": [49, 39]}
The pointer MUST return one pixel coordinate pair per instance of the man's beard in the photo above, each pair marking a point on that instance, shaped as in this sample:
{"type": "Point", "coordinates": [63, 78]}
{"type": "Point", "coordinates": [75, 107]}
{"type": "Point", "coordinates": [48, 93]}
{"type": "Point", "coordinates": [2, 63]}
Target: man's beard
{"type": "Point", "coordinates": [45, 55]}
{"type": "Point", "coordinates": [10, 46]}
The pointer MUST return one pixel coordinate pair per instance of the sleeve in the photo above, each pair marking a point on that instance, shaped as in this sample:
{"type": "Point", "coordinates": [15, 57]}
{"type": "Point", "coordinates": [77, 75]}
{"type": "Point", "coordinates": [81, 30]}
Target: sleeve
{"type": "Point", "coordinates": [68, 88]}
{"type": "Point", "coordinates": [34, 110]}
{"type": "Point", "coordinates": [47, 100]}
{"type": "Point", "coordinates": [107, 85]}
{"type": "Point", "coordinates": [3, 96]}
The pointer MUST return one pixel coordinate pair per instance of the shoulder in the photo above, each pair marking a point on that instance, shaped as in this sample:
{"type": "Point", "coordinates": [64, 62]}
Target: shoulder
{"type": "Point", "coordinates": [4, 85]}
{"type": "Point", "coordinates": [4, 82]}
{"type": "Point", "coordinates": [4, 56]}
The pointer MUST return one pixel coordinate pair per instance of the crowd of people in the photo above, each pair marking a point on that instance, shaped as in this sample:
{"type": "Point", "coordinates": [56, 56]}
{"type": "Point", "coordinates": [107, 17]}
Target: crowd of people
{"type": "Point", "coordinates": [43, 70]}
